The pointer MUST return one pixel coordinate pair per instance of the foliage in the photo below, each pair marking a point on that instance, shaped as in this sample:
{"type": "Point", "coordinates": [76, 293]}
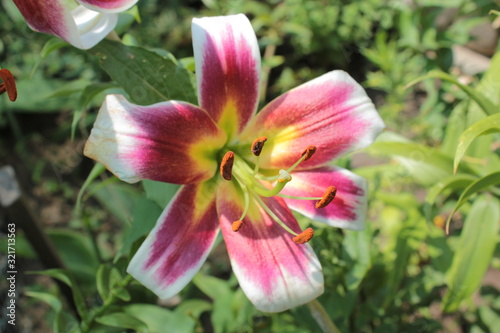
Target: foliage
{"type": "Point", "coordinates": [434, 212]}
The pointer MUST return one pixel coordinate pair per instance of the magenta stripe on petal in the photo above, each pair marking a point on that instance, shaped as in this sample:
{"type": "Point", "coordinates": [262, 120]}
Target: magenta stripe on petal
{"type": "Point", "coordinates": [180, 242]}
{"type": "Point", "coordinates": [172, 142]}
{"type": "Point", "coordinates": [274, 272]}
{"type": "Point", "coordinates": [48, 16]}
{"type": "Point", "coordinates": [331, 112]}
{"type": "Point", "coordinates": [348, 208]}
{"type": "Point", "coordinates": [227, 68]}
{"type": "Point", "coordinates": [109, 6]}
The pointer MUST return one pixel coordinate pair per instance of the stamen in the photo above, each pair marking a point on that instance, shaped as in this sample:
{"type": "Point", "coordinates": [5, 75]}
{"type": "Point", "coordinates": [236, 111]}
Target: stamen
{"type": "Point", "coordinates": [304, 237]}
{"type": "Point", "coordinates": [236, 225]}
{"type": "Point", "coordinates": [308, 153]}
{"type": "Point", "coordinates": [226, 166]}
{"type": "Point", "coordinates": [8, 85]}
{"type": "Point", "coordinates": [257, 145]}
{"type": "Point", "coordinates": [327, 197]}
{"type": "Point", "coordinates": [273, 215]}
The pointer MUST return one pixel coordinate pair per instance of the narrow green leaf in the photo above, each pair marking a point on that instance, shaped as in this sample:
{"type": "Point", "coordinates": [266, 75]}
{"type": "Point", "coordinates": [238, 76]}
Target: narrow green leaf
{"type": "Point", "coordinates": [55, 304]}
{"type": "Point", "coordinates": [147, 77]}
{"type": "Point", "coordinates": [474, 251]}
{"type": "Point", "coordinates": [488, 125]}
{"type": "Point", "coordinates": [66, 277]}
{"type": "Point", "coordinates": [94, 173]}
{"type": "Point", "coordinates": [102, 281]}
{"type": "Point", "coordinates": [454, 182]}
{"type": "Point", "coordinates": [123, 320]}
{"type": "Point", "coordinates": [486, 105]}
{"type": "Point", "coordinates": [478, 185]}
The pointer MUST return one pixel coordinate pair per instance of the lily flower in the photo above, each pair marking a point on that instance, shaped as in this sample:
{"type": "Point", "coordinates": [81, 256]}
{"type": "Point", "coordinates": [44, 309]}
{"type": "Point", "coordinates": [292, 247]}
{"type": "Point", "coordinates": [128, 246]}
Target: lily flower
{"type": "Point", "coordinates": [82, 23]}
{"type": "Point", "coordinates": [241, 171]}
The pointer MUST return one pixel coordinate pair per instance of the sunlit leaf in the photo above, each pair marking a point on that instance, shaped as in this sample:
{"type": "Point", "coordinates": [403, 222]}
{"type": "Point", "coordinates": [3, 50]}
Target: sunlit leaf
{"type": "Point", "coordinates": [479, 185]}
{"type": "Point", "coordinates": [486, 105]}
{"type": "Point", "coordinates": [147, 77]}
{"type": "Point", "coordinates": [485, 126]}
{"type": "Point", "coordinates": [454, 182]}
{"type": "Point", "coordinates": [474, 251]}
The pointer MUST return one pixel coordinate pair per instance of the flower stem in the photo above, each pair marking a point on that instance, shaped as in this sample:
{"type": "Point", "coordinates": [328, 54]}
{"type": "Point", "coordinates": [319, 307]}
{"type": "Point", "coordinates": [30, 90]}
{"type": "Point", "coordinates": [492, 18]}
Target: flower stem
{"type": "Point", "coordinates": [319, 314]}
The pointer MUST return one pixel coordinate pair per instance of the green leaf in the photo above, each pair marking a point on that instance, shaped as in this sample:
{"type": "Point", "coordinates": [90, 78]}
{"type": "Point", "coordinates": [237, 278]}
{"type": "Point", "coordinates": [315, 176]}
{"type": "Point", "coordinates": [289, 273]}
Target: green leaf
{"type": "Point", "coordinates": [159, 320]}
{"type": "Point", "coordinates": [486, 105]}
{"type": "Point", "coordinates": [145, 216]}
{"type": "Point", "coordinates": [417, 156]}
{"type": "Point", "coordinates": [488, 125]}
{"type": "Point", "coordinates": [67, 278]}
{"type": "Point", "coordinates": [123, 320]}
{"type": "Point", "coordinates": [77, 252]}
{"type": "Point", "coordinates": [96, 171]}
{"type": "Point", "coordinates": [117, 197]}
{"type": "Point", "coordinates": [159, 192]}
{"type": "Point", "coordinates": [102, 281]}
{"type": "Point", "coordinates": [86, 97]}
{"type": "Point", "coordinates": [147, 77]}
{"type": "Point", "coordinates": [454, 182]}
{"type": "Point", "coordinates": [478, 185]}
{"type": "Point", "coordinates": [115, 285]}
{"type": "Point", "coordinates": [55, 304]}
{"type": "Point", "coordinates": [220, 292]}
{"type": "Point", "coordinates": [474, 251]}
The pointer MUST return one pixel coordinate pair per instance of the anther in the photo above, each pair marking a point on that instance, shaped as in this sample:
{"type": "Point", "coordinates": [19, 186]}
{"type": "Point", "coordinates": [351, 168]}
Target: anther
{"type": "Point", "coordinates": [308, 153]}
{"type": "Point", "coordinates": [236, 225]}
{"type": "Point", "coordinates": [257, 145]}
{"type": "Point", "coordinates": [8, 85]}
{"type": "Point", "coordinates": [304, 237]}
{"type": "Point", "coordinates": [327, 197]}
{"type": "Point", "coordinates": [226, 166]}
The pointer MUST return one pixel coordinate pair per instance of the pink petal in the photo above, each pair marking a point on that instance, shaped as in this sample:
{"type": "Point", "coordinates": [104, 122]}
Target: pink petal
{"type": "Point", "coordinates": [172, 142]}
{"type": "Point", "coordinates": [79, 26]}
{"type": "Point", "coordinates": [331, 112]}
{"type": "Point", "coordinates": [108, 6]}
{"type": "Point", "coordinates": [348, 208]}
{"type": "Point", "coordinates": [179, 243]}
{"type": "Point", "coordinates": [227, 69]}
{"type": "Point", "coordinates": [275, 273]}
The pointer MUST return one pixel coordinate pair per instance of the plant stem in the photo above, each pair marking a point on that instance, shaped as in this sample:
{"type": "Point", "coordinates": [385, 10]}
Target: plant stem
{"type": "Point", "coordinates": [87, 323]}
{"type": "Point", "coordinates": [319, 314]}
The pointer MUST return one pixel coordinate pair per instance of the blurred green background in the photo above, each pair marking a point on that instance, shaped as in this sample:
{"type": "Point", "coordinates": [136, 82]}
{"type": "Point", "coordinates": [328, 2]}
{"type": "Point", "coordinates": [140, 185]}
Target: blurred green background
{"type": "Point", "coordinates": [404, 273]}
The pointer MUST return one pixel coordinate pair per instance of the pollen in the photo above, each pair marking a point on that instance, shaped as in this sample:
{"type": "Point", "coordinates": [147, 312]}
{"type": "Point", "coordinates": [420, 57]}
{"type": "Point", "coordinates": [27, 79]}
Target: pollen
{"type": "Point", "coordinates": [226, 166]}
{"type": "Point", "coordinates": [257, 145]}
{"type": "Point", "coordinates": [308, 153]}
{"type": "Point", "coordinates": [236, 225]}
{"type": "Point", "coordinates": [8, 85]}
{"type": "Point", "coordinates": [304, 237]}
{"type": "Point", "coordinates": [327, 197]}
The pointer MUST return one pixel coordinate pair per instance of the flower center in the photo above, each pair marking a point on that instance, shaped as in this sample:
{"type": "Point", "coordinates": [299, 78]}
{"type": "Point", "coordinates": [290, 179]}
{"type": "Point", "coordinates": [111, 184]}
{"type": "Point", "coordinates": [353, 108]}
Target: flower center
{"type": "Point", "coordinates": [255, 185]}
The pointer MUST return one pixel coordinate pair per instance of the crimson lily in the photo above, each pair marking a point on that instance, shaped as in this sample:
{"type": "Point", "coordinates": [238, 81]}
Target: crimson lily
{"type": "Point", "coordinates": [211, 150]}
{"type": "Point", "coordinates": [82, 23]}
